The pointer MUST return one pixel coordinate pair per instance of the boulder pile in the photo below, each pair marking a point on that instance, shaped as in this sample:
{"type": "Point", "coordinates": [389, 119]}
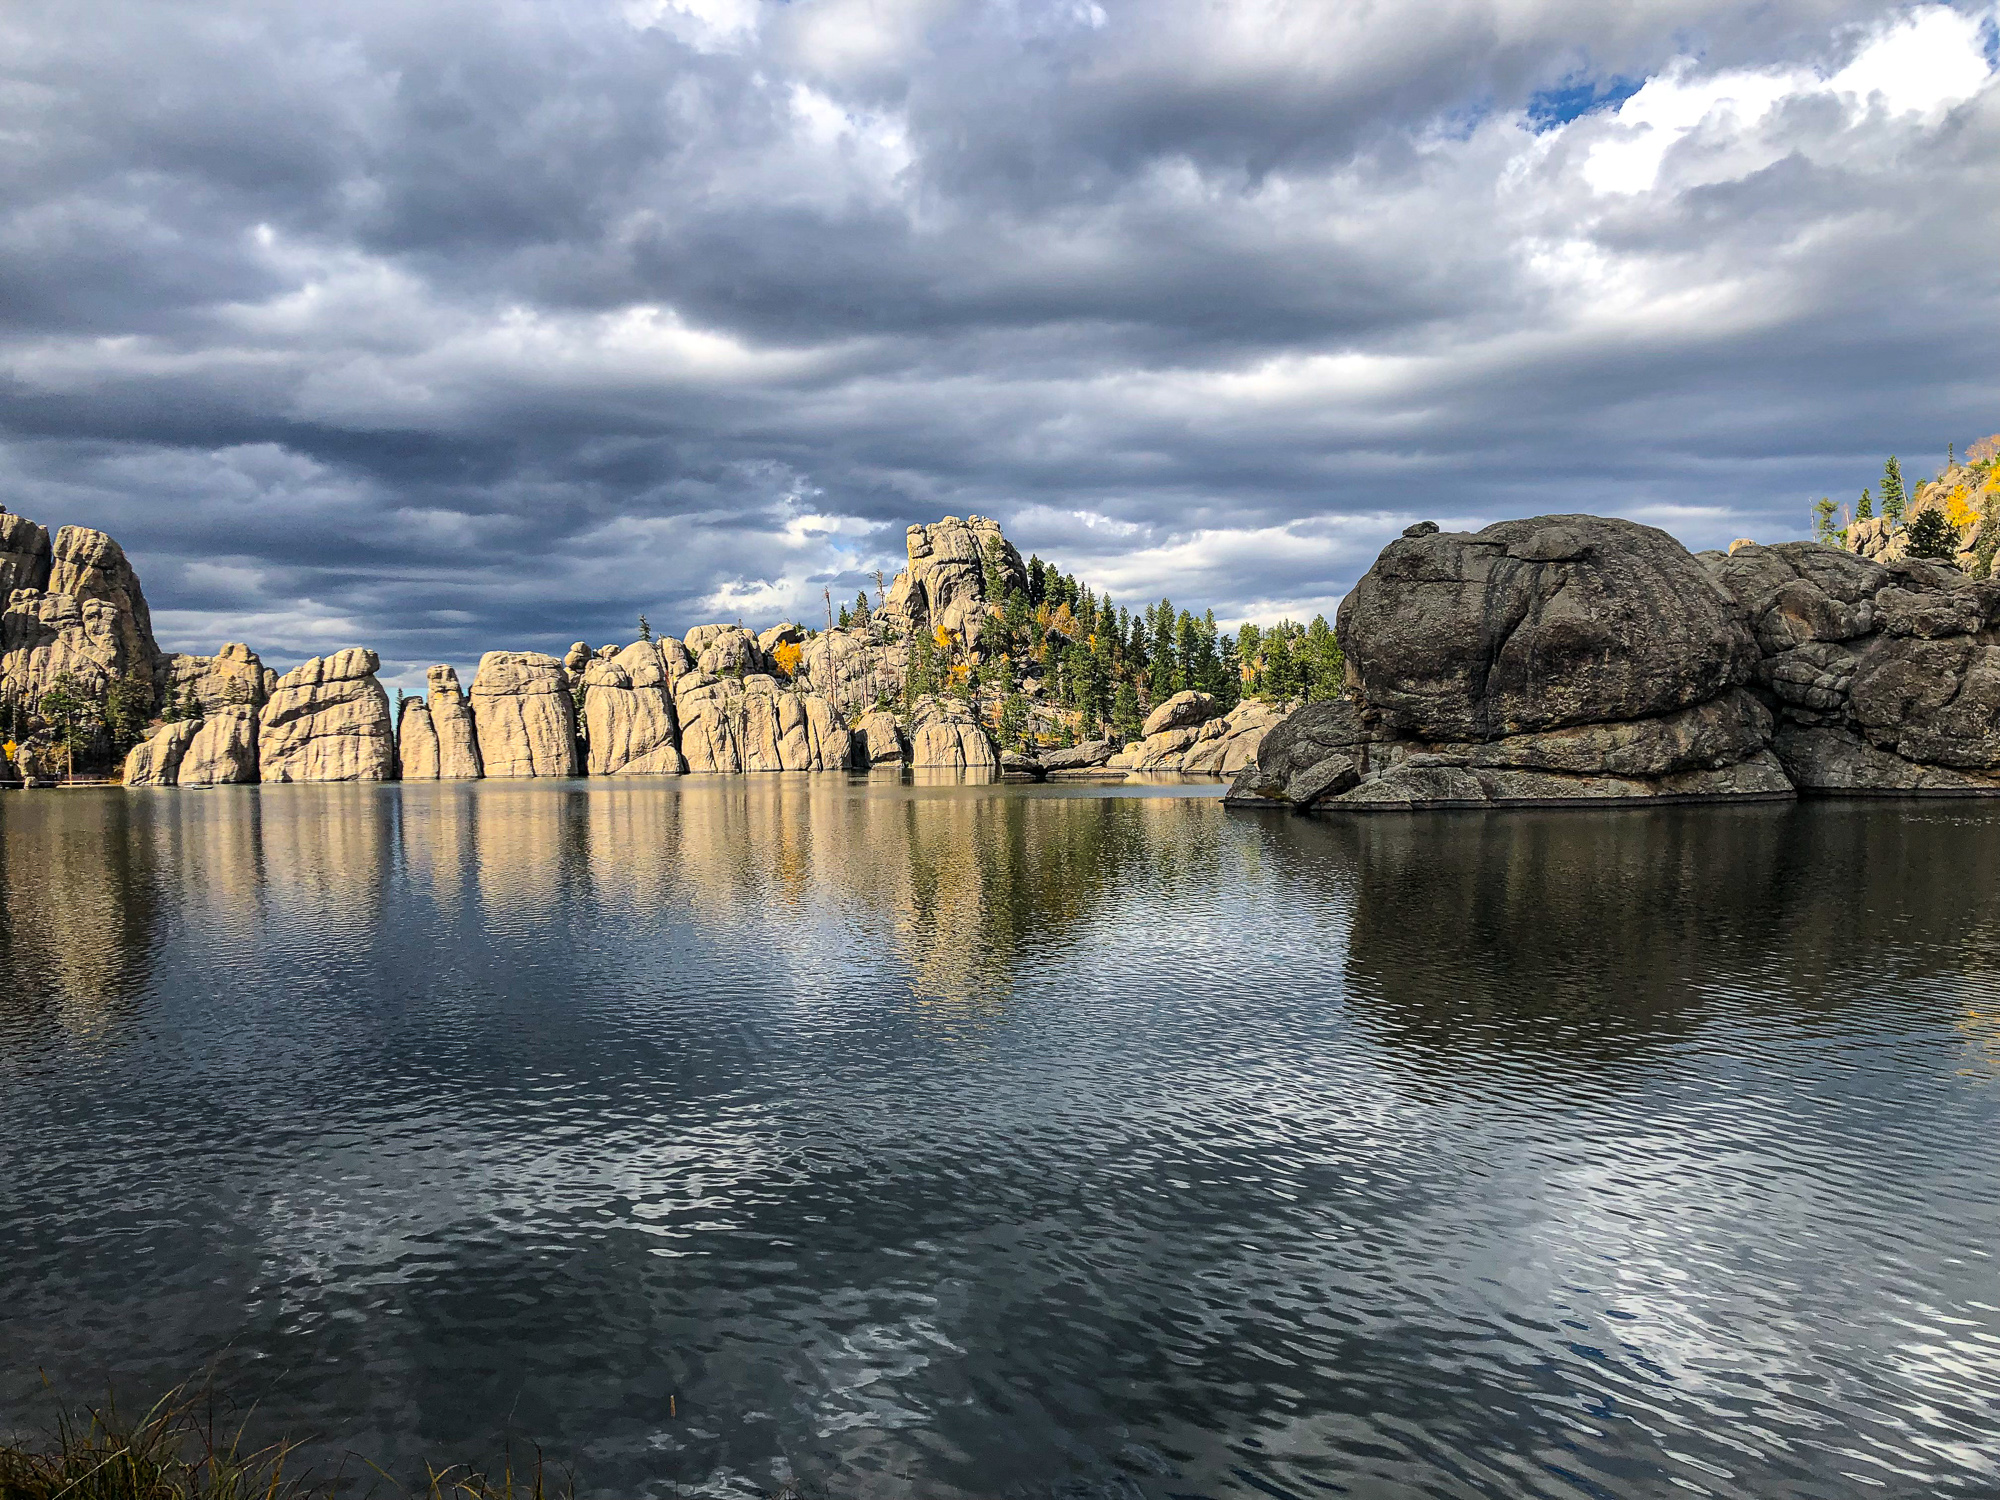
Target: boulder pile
{"type": "Point", "coordinates": [1586, 659]}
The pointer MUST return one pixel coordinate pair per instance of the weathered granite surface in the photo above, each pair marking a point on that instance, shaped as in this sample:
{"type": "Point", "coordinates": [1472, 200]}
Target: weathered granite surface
{"type": "Point", "coordinates": [1585, 659]}
{"type": "Point", "coordinates": [327, 720]}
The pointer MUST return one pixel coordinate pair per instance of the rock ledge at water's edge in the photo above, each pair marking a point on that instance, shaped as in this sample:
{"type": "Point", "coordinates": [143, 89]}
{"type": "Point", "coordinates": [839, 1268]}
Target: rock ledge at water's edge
{"type": "Point", "coordinates": [1584, 659]}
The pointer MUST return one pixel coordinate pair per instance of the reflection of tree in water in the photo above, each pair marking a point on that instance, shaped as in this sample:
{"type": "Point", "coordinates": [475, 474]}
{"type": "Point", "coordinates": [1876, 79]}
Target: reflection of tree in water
{"type": "Point", "coordinates": [79, 874]}
{"type": "Point", "coordinates": [1584, 931]}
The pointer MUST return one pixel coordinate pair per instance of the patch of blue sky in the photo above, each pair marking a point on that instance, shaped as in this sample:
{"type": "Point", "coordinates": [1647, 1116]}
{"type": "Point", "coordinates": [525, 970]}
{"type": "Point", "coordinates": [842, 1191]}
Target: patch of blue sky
{"type": "Point", "coordinates": [1577, 96]}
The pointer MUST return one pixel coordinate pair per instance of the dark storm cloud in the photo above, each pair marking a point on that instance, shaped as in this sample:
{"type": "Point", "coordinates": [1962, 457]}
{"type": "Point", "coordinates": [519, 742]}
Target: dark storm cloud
{"type": "Point", "coordinates": [451, 327]}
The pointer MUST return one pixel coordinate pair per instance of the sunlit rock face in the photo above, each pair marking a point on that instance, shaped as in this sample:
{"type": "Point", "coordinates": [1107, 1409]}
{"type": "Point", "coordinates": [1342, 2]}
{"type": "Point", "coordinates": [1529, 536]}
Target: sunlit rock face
{"type": "Point", "coordinates": [224, 748]}
{"type": "Point", "coordinates": [628, 713]}
{"type": "Point", "coordinates": [234, 675]}
{"type": "Point", "coordinates": [945, 736]}
{"type": "Point", "coordinates": [328, 720]}
{"type": "Point", "coordinates": [74, 610]}
{"type": "Point", "coordinates": [25, 556]}
{"type": "Point", "coordinates": [524, 714]}
{"type": "Point", "coordinates": [945, 586]}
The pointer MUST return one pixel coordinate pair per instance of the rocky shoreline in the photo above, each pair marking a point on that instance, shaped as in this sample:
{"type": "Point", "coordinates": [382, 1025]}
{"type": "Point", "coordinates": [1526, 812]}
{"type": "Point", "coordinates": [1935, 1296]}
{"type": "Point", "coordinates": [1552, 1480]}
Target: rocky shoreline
{"type": "Point", "coordinates": [1584, 660]}
{"type": "Point", "coordinates": [724, 699]}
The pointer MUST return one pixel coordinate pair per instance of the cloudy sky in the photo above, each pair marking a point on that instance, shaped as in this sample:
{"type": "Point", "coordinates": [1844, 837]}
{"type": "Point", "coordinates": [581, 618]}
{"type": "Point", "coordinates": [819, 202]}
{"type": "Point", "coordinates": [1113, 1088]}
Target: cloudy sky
{"type": "Point", "coordinates": [454, 326]}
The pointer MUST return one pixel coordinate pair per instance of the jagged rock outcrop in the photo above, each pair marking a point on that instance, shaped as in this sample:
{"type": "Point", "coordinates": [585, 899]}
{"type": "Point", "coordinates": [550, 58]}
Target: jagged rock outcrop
{"type": "Point", "coordinates": [234, 675]}
{"type": "Point", "coordinates": [628, 711]}
{"type": "Point", "coordinates": [1884, 677]}
{"type": "Point", "coordinates": [25, 557]}
{"type": "Point", "coordinates": [855, 666]}
{"type": "Point", "coordinates": [945, 736]}
{"type": "Point", "coordinates": [725, 651]}
{"type": "Point", "coordinates": [945, 583]}
{"type": "Point", "coordinates": [46, 636]}
{"type": "Point", "coordinates": [1562, 658]}
{"type": "Point", "coordinates": [878, 740]}
{"type": "Point", "coordinates": [88, 565]}
{"type": "Point", "coordinates": [524, 715]}
{"type": "Point", "coordinates": [328, 720]}
{"type": "Point", "coordinates": [156, 760]}
{"type": "Point", "coordinates": [224, 748]}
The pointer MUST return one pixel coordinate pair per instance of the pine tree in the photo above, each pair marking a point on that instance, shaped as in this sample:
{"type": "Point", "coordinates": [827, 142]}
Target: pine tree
{"type": "Point", "coordinates": [645, 627]}
{"type": "Point", "coordinates": [1125, 718]}
{"type": "Point", "coordinates": [1892, 491]}
{"type": "Point", "coordinates": [1322, 666]}
{"type": "Point", "coordinates": [1931, 535]}
{"type": "Point", "coordinates": [1013, 720]}
{"type": "Point", "coordinates": [1823, 508]}
{"type": "Point", "coordinates": [1864, 508]}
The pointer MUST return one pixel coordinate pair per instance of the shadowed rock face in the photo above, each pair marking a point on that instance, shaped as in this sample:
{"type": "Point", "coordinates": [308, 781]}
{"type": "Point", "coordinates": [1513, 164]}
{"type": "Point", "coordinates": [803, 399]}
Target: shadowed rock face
{"type": "Point", "coordinates": [1884, 677]}
{"type": "Point", "coordinates": [1576, 659]}
{"type": "Point", "coordinates": [1538, 624]}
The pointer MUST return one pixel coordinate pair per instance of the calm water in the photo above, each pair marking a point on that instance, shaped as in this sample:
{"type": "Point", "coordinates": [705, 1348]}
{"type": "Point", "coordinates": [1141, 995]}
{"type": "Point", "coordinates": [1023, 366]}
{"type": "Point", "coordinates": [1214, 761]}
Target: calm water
{"type": "Point", "coordinates": [949, 1141]}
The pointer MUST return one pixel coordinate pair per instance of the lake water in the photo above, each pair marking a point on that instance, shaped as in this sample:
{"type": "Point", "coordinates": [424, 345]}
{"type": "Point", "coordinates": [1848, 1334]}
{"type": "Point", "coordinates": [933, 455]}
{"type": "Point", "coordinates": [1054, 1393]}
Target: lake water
{"type": "Point", "coordinates": [932, 1140]}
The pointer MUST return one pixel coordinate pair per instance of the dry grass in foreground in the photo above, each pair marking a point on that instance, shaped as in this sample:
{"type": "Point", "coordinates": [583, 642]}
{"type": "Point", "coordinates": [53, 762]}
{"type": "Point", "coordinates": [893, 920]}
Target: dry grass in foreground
{"type": "Point", "coordinates": [179, 1451]}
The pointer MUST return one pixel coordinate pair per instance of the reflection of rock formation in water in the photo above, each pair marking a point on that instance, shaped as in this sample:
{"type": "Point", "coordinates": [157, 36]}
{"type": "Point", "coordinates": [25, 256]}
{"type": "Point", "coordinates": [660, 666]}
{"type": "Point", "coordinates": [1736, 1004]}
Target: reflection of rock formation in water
{"type": "Point", "coordinates": [1560, 931]}
{"type": "Point", "coordinates": [953, 885]}
{"type": "Point", "coordinates": [77, 919]}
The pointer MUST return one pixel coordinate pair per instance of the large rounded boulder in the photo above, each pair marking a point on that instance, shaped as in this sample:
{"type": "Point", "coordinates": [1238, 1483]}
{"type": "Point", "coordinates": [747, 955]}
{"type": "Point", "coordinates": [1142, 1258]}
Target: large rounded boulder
{"type": "Point", "coordinates": [1538, 624]}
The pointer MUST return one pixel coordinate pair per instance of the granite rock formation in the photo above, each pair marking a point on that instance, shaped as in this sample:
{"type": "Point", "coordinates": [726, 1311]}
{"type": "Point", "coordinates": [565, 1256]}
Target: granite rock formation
{"type": "Point", "coordinates": [628, 712]}
{"type": "Point", "coordinates": [1218, 745]}
{"type": "Point", "coordinates": [945, 585]}
{"type": "Point", "coordinates": [224, 748]}
{"type": "Point", "coordinates": [87, 619]}
{"type": "Point", "coordinates": [25, 557]}
{"type": "Point", "coordinates": [524, 715]}
{"type": "Point", "coordinates": [878, 740]}
{"type": "Point", "coordinates": [1884, 677]}
{"type": "Point", "coordinates": [1573, 658]}
{"type": "Point", "coordinates": [156, 760]}
{"type": "Point", "coordinates": [946, 736]}
{"type": "Point", "coordinates": [233, 676]}
{"type": "Point", "coordinates": [416, 741]}
{"type": "Point", "coordinates": [327, 720]}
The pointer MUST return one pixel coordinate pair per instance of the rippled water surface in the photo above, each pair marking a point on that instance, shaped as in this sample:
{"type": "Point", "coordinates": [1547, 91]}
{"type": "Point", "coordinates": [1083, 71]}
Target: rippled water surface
{"type": "Point", "coordinates": [908, 1140]}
